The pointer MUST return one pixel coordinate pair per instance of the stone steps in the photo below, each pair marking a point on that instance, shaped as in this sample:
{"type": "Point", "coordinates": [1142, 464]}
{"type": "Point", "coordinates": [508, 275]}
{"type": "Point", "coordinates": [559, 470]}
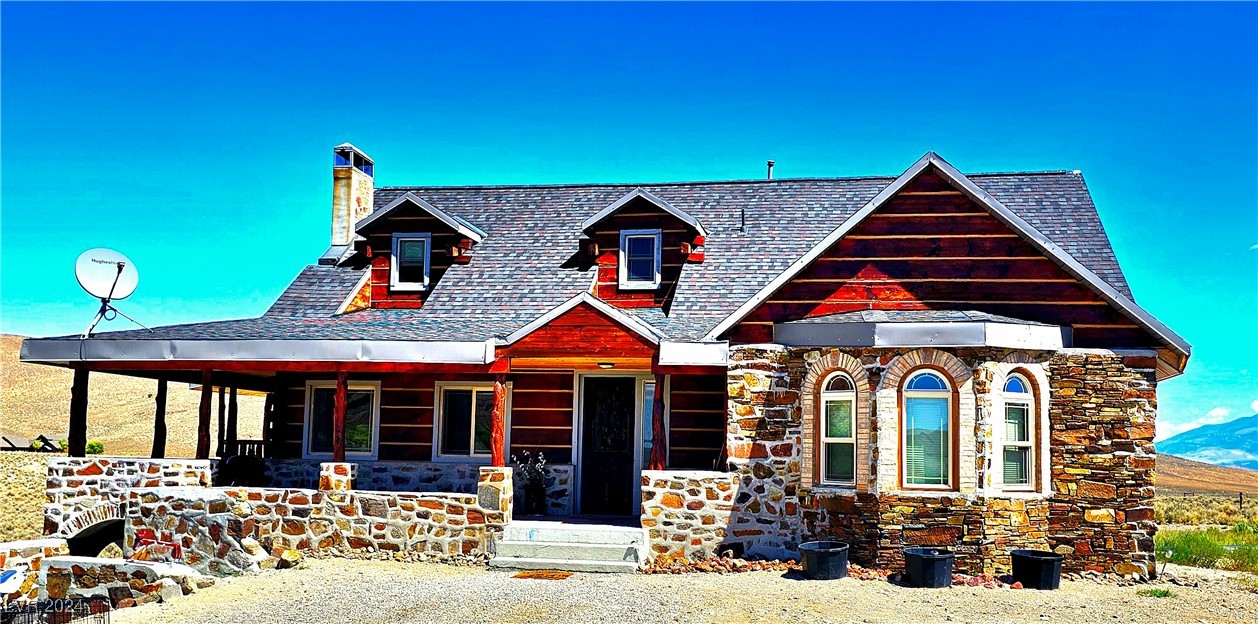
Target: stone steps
{"type": "Point", "coordinates": [568, 565]}
{"type": "Point", "coordinates": [575, 547]}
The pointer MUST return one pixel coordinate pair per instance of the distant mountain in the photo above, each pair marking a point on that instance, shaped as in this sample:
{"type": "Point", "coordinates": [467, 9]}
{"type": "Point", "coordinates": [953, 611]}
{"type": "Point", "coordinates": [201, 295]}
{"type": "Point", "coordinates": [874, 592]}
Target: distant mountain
{"type": "Point", "coordinates": [1233, 443]}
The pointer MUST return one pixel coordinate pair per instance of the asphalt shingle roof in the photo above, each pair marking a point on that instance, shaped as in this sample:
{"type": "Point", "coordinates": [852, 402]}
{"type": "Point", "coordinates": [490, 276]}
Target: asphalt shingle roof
{"type": "Point", "coordinates": [515, 273]}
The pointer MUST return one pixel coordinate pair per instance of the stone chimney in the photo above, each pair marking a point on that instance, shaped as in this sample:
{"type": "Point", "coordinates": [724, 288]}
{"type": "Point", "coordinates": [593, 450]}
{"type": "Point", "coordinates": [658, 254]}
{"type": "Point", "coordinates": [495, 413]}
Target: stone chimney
{"type": "Point", "coordinates": [353, 186]}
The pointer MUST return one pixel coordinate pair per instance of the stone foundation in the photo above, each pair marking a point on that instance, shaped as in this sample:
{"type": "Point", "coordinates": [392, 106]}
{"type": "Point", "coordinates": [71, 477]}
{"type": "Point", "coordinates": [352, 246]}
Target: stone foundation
{"type": "Point", "coordinates": [399, 476]}
{"type": "Point", "coordinates": [211, 530]}
{"type": "Point", "coordinates": [82, 491]}
{"type": "Point", "coordinates": [1103, 411]}
{"type": "Point", "coordinates": [27, 557]}
{"type": "Point", "coordinates": [686, 513]}
{"type": "Point", "coordinates": [123, 583]}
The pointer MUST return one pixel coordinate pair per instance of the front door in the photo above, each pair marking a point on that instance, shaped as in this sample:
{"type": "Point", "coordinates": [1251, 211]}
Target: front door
{"type": "Point", "coordinates": [608, 437]}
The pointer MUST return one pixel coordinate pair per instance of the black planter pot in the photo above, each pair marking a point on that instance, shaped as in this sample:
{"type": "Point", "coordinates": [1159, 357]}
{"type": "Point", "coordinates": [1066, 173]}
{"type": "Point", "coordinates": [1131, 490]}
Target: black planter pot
{"type": "Point", "coordinates": [824, 560]}
{"type": "Point", "coordinates": [928, 567]}
{"type": "Point", "coordinates": [1037, 569]}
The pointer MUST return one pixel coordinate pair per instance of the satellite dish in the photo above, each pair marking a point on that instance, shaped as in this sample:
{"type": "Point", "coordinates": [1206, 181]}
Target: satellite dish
{"type": "Point", "coordinates": [106, 274]}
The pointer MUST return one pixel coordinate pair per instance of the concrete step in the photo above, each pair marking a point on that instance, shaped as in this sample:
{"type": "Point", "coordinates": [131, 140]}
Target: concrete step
{"type": "Point", "coordinates": [529, 563]}
{"type": "Point", "coordinates": [559, 532]}
{"type": "Point", "coordinates": [573, 551]}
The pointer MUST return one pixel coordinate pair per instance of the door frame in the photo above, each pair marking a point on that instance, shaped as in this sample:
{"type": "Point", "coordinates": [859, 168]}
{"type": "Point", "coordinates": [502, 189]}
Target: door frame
{"type": "Point", "coordinates": [578, 431]}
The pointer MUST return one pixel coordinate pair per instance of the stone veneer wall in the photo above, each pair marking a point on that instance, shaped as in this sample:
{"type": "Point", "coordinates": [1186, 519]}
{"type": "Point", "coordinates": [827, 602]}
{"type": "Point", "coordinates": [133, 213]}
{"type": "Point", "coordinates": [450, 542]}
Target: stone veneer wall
{"type": "Point", "coordinates": [123, 583]}
{"type": "Point", "coordinates": [764, 437]}
{"type": "Point", "coordinates": [1103, 411]}
{"type": "Point", "coordinates": [83, 491]}
{"type": "Point", "coordinates": [1096, 488]}
{"type": "Point", "coordinates": [401, 476]}
{"type": "Point", "coordinates": [27, 557]}
{"type": "Point", "coordinates": [686, 513]}
{"type": "Point", "coordinates": [206, 528]}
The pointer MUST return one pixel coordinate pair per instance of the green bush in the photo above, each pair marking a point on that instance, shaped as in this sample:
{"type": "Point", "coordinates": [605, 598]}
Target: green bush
{"type": "Point", "coordinates": [94, 447]}
{"type": "Point", "coordinates": [1235, 548]}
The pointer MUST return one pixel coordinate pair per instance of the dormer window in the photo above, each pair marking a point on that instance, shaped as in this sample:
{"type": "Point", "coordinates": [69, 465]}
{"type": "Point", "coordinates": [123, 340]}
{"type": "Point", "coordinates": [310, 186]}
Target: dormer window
{"type": "Point", "coordinates": [410, 261]}
{"type": "Point", "coordinates": [640, 259]}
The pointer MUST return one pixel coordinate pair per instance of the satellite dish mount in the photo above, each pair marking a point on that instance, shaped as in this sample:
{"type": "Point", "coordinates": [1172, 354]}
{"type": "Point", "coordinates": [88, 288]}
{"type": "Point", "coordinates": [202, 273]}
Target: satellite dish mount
{"type": "Point", "coordinates": [108, 276]}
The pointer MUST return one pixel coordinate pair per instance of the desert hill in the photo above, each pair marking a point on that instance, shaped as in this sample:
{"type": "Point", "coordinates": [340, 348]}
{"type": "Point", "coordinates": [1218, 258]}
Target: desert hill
{"type": "Point", "coordinates": [35, 399]}
{"type": "Point", "coordinates": [1177, 475]}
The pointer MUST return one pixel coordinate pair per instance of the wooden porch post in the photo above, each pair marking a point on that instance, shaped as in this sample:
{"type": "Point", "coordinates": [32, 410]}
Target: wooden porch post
{"type": "Point", "coordinates": [338, 417]}
{"type": "Point", "coordinates": [498, 422]}
{"type": "Point", "coordinates": [232, 414]}
{"type": "Point", "coordinates": [659, 439]}
{"type": "Point", "coordinates": [203, 415]}
{"type": "Point", "coordinates": [159, 420]}
{"type": "Point", "coordinates": [222, 419]}
{"type": "Point", "coordinates": [77, 434]}
{"type": "Point", "coordinates": [268, 425]}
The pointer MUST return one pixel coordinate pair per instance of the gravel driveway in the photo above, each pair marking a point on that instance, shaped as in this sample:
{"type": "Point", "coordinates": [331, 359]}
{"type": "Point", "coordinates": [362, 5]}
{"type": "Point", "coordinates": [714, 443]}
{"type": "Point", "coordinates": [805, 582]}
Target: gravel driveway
{"type": "Point", "coordinates": [380, 591]}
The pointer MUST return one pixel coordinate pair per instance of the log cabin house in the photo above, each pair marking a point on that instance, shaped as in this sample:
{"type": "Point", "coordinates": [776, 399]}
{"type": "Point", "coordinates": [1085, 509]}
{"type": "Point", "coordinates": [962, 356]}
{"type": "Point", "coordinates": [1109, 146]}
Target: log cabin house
{"type": "Point", "coordinates": [726, 367]}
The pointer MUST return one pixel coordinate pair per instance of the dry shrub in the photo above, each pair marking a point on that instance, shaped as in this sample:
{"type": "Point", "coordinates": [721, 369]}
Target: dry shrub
{"type": "Point", "coordinates": [1205, 509]}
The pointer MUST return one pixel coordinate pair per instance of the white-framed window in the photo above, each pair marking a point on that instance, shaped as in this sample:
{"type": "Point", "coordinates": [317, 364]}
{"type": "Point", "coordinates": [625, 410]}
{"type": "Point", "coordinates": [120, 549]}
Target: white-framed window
{"type": "Point", "coordinates": [640, 259]}
{"type": "Point", "coordinates": [838, 430]}
{"type": "Point", "coordinates": [408, 266]}
{"type": "Point", "coordinates": [926, 432]}
{"type": "Point", "coordinates": [362, 420]}
{"type": "Point", "coordinates": [1017, 451]}
{"type": "Point", "coordinates": [463, 420]}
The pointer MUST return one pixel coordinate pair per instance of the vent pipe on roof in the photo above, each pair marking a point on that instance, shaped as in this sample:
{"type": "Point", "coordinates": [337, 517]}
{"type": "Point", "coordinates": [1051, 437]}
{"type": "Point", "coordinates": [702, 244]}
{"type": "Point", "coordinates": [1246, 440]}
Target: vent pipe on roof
{"type": "Point", "coordinates": [770, 164]}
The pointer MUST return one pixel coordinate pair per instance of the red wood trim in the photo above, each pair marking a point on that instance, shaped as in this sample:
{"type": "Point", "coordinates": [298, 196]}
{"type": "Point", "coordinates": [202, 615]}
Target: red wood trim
{"type": "Point", "coordinates": [954, 424]}
{"type": "Point", "coordinates": [659, 441]}
{"type": "Point", "coordinates": [497, 432]}
{"type": "Point", "coordinates": [338, 417]}
{"type": "Point", "coordinates": [203, 414]}
{"type": "Point", "coordinates": [1037, 480]}
{"type": "Point", "coordinates": [501, 365]}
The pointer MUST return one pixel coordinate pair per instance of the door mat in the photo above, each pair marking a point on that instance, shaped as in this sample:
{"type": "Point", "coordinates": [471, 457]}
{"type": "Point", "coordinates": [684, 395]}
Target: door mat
{"type": "Point", "coordinates": [548, 575]}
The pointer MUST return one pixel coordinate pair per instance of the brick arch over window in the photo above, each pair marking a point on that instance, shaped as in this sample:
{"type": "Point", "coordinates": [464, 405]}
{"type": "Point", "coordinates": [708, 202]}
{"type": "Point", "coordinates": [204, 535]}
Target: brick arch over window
{"type": "Point", "coordinates": [818, 371]}
{"type": "Point", "coordinates": [957, 370]}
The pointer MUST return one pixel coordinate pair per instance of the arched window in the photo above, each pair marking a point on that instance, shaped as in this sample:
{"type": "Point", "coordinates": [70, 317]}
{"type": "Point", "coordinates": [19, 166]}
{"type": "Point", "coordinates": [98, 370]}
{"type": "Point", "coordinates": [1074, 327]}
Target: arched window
{"type": "Point", "coordinates": [927, 432]}
{"type": "Point", "coordinates": [838, 430]}
{"type": "Point", "coordinates": [1018, 449]}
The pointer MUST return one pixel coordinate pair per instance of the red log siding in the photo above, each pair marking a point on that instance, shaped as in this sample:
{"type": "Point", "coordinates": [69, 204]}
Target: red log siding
{"type": "Point", "coordinates": [932, 248]}
{"type": "Point", "coordinates": [409, 221]}
{"type": "Point", "coordinates": [582, 332]}
{"type": "Point", "coordinates": [541, 414]}
{"type": "Point", "coordinates": [639, 215]}
{"type": "Point", "coordinates": [540, 420]}
{"type": "Point", "coordinates": [696, 431]}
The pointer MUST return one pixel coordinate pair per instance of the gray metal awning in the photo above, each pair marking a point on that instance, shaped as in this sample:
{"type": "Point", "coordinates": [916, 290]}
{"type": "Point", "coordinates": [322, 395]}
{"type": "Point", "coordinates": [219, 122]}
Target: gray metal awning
{"type": "Point", "coordinates": [911, 328]}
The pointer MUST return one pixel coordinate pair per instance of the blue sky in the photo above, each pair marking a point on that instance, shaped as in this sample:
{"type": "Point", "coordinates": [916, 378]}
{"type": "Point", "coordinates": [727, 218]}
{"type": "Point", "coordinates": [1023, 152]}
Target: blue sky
{"type": "Point", "coordinates": [197, 138]}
